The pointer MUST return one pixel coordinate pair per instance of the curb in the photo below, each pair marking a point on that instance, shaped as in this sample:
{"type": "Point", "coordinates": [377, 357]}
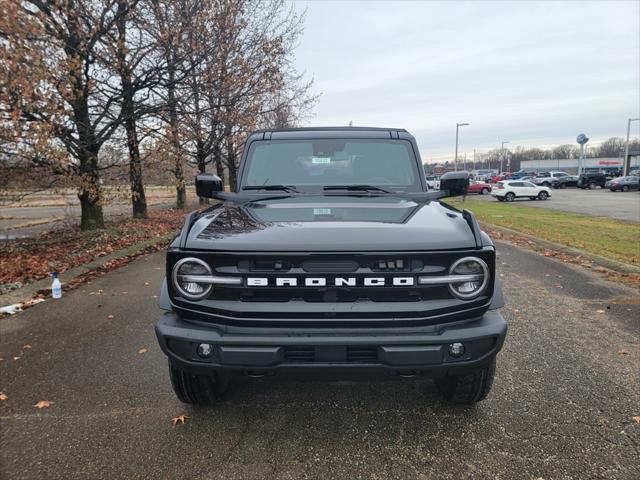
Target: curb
{"type": "Point", "coordinates": [30, 290]}
{"type": "Point", "coordinates": [595, 258]}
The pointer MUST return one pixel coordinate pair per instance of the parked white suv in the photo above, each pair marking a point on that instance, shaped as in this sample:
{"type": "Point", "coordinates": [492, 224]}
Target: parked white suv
{"type": "Point", "coordinates": [546, 178]}
{"type": "Point", "coordinates": [509, 190]}
{"type": "Point", "coordinates": [433, 182]}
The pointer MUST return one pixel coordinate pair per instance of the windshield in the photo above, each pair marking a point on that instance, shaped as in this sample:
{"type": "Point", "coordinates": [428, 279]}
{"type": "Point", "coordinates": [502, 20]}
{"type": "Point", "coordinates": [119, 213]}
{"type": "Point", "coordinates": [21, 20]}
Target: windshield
{"type": "Point", "coordinates": [313, 164]}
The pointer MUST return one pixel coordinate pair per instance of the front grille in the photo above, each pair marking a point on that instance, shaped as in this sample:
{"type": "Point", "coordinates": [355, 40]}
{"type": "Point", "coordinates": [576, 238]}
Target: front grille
{"type": "Point", "coordinates": [299, 354]}
{"type": "Point", "coordinates": [331, 301]}
{"type": "Point", "coordinates": [327, 294]}
{"type": "Point", "coordinates": [363, 354]}
{"type": "Point", "coordinates": [348, 354]}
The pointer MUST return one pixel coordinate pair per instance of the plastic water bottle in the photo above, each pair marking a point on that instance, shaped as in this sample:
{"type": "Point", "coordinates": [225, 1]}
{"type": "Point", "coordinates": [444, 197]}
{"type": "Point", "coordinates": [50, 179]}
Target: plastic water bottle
{"type": "Point", "coordinates": [56, 286]}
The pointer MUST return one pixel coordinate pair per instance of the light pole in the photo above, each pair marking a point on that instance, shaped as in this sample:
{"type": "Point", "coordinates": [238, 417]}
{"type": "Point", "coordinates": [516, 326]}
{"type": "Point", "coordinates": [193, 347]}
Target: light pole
{"type": "Point", "coordinates": [455, 160]}
{"type": "Point", "coordinates": [502, 156]}
{"type": "Point", "coordinates": [626, 164]}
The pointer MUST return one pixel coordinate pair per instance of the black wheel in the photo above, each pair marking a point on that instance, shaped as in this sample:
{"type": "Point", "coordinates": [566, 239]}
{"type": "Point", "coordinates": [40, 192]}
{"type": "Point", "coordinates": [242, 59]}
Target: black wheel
{"type": "Point", "coordinates": [625, 188]}
{"type": "Point", "coordinates": [510, 197]}
{"type": "Point", "coordinates": [197, 389]}
{"type": "Point", "coordinates": [468, 388]}
{"type": "Point", "coordinates": [562, 185]}
{"type": "Point", "coordinates": [484, 191]}
{"type": "Point", "coordinates": [592, 186]}
{"type": "Point", "coordinates": [543, 195]}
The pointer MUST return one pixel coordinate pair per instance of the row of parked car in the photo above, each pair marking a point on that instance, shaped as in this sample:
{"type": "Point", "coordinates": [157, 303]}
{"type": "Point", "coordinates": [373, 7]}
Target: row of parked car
{"type": "Point", "coordinates": [539, 187]}
{"type": "Point", "coordinates": [588, 180]}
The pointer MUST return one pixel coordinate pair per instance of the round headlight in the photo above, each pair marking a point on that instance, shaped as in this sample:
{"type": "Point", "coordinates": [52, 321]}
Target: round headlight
{"type": "Point", "coordinates": [184, 275]}
{"type": "Point", "coordinates": [470, 287]}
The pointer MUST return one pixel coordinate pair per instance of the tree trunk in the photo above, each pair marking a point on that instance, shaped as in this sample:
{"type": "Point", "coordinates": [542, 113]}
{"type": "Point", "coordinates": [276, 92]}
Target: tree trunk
{"type": "Point", "coordinates": [231, 164]}
{"type": "Point", "coordinates": [90, 194]}
{"type": "Point", "coordinates": [181, 192]}
{"type": "Point", "coordinates": [217, 158]}
{"type": "Point", "coordinates": [201, 159]}
{"type": "Point", "coordinates": [138, 200]}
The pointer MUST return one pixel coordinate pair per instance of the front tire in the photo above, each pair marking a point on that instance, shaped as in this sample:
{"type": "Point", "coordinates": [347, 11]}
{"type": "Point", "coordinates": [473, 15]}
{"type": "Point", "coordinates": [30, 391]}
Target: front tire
{"type": "Point", "coordinates": [625, 188]}
{"type": "Point", "coordinates": [197, 389]}
{"type": "Point", "coordinates": [468, 388]}
{"type": "Point", "coordinates": [510, 197]}
{"type": "Point", "coordinates": [484, 191]}
{"type": "Point", "coordinates": [543, 195]}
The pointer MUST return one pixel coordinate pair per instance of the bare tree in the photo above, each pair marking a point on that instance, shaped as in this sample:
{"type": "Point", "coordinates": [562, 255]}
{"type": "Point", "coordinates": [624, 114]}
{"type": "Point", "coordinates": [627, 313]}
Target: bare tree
{"type": "Point", "coordinates": [57, 97]}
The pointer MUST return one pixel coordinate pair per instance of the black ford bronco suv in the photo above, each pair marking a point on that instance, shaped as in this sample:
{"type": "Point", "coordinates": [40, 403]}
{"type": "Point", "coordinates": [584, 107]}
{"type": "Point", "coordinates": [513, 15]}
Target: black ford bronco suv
{"type": "Point", "coordinates": [331, 254]}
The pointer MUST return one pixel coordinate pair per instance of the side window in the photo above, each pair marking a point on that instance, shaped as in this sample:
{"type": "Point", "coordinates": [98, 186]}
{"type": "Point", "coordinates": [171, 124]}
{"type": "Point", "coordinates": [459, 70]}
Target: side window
{"type": "Point", "coordinates": [561, 175]}
{"type": "Point", "coordinates": [516, 184]}
{"type": "Point", "coordinates": [528, 185]}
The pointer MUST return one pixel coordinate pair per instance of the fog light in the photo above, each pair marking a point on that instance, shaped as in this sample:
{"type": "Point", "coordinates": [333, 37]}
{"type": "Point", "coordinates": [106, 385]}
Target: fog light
{"type": "Point", "coordinates": [456, 350]}
{"type": "Point", "coordinates": [205, 350]}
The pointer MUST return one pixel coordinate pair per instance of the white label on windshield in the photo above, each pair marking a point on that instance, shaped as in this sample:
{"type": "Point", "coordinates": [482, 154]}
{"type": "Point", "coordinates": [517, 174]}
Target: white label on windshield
{"type": "Point", "coordinates": [321, 160]}
{"type": "Point", "coordinates": [322, 211]}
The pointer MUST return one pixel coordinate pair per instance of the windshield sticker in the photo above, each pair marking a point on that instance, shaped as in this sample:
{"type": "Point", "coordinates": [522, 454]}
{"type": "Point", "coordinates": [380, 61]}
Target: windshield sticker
{"type": "Point", "coordinates": [321, 160]}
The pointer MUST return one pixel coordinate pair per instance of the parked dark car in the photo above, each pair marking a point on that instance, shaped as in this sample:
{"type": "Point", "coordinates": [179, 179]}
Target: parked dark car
{"type": "Point", "coordinates": [564, 182]}
{"type": "Point", "coordinates": [592, 180]}
{"type": "Point", "coordinates": [624, 184]}
{"type": "Point", "coordinates": [330, 254]}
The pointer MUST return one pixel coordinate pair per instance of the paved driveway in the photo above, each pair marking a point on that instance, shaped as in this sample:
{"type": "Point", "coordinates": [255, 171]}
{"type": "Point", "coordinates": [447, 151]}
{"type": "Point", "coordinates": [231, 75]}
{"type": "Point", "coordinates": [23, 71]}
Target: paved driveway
{"type": "Point", "coordinates": [601, 203]}
{"type": "Point", "coordinates": [562, 404]}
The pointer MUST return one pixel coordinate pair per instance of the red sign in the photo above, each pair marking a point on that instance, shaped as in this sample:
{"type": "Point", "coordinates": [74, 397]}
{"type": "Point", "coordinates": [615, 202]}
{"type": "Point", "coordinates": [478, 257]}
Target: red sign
{"type": "Point", "coordinates": [609, 162]}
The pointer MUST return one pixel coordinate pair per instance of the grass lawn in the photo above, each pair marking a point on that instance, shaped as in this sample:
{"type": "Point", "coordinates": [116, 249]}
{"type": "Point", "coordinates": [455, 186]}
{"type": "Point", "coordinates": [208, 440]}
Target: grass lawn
{"type": "Point", "coordinates": [603, 236]}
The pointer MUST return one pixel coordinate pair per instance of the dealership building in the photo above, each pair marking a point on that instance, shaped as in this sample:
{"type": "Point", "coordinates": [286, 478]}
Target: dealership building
{"type": "Point", "coordinates": [605, 165]}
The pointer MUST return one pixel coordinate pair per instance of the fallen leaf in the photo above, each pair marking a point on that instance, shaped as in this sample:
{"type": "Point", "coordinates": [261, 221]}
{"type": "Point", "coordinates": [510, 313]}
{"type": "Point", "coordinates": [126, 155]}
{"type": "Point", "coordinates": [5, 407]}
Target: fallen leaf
{"type": "Point", "coordinates": [635, 419]}
{"type": "Point", "coordinates": [146, 284]}
{"type": "Point", "coordinates": [16, 358]}
{"type": "Point", "coordinates": [599, 311]}
{"type": "Point", "coordinates": [26, 347]}
{"type": "Point", "coordinates": [142, 351]}
{"type": "Point", "coordinates": [3, 397]}
{"type": "Point", "coordinates": [110, 317]}
{"type": "Point", "coordinates": [179, 419]}
{"type": "Point", "coordinates": [622, 352]}
{"type": "Point", "coordinates": [43, 404]}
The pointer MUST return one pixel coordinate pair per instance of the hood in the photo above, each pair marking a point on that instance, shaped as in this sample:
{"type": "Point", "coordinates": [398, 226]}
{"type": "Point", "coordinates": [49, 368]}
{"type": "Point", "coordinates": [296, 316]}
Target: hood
{"type": "Point", "coordinates": [331, 223]}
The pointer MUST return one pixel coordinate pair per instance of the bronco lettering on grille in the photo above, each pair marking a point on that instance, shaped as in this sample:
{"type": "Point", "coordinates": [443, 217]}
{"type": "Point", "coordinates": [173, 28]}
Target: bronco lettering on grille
{"type": "Point", "coordinates": [332, 282]}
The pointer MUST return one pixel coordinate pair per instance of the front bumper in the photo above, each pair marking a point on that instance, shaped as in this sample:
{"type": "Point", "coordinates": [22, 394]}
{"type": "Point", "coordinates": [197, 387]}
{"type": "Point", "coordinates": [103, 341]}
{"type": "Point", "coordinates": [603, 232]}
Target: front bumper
{"type": "Point", "coordinates": [401, 350]}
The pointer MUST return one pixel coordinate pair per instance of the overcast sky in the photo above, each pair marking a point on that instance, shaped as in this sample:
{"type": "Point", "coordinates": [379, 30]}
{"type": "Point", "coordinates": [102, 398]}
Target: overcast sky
{"type": "Point", "coordinates": [532, 73]}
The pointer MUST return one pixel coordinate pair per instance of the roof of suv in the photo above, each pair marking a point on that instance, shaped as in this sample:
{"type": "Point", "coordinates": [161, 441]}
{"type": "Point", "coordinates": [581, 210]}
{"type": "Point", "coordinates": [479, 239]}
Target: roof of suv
{"type": "Point", "coordinates": [331, 132]}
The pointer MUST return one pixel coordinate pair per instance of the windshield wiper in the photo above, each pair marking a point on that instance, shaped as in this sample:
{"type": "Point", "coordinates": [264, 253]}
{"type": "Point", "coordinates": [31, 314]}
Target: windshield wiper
{"type": "Point", "coordinates": [285, 188]}
{"type": "Point", "coordinates": [356, 188]}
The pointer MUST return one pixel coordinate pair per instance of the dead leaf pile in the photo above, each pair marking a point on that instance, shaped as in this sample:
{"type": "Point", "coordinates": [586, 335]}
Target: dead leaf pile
{"type": "Point", "coordinates": [27, 260]}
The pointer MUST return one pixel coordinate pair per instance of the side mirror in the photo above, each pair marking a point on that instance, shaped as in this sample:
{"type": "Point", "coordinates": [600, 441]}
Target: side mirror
{"type": "Point", "coordinates": [208, 184]}
{"type": "Point", "coordinates": [455, 183]}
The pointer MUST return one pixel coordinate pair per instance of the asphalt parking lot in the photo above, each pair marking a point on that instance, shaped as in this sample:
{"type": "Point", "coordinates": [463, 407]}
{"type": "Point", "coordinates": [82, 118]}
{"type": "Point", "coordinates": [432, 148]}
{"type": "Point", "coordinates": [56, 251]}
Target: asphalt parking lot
{"type": "Point", "coordinates": [599, 202]}
{"type": "Point", "coordinates": [566, 392]}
